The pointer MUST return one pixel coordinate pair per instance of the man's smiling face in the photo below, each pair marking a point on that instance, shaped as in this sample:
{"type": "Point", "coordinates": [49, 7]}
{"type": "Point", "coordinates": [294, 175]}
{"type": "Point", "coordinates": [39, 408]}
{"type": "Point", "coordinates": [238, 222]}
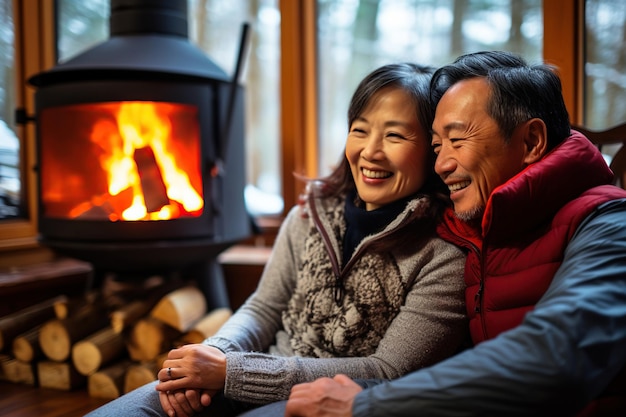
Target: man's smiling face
{"type": "Point", "coordinates": [473, 157]}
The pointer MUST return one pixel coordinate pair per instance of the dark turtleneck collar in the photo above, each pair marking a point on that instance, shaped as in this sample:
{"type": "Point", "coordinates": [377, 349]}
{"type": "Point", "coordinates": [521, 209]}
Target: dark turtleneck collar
{"type": "Point", "coordinates": [361, 223]}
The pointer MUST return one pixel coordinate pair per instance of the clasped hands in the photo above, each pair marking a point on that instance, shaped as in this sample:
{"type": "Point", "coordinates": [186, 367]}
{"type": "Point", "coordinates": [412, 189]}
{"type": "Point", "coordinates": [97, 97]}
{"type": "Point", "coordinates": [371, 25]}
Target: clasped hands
{"type": "Point", "coordinates": [193, 374]}
{"type": "Point", "coordinates": [190, 376]}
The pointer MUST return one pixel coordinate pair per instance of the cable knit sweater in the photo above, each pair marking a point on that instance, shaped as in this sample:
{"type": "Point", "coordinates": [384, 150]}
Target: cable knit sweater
{"type": "Point", "coordinates": [400, 310]}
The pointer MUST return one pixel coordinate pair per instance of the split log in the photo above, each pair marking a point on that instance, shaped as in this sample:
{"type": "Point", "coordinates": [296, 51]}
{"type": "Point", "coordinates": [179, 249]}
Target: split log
{"type": "Point", "coordinates": [181, 308]}
{"type": "Point", "coordinates": [97, 350]}
{"type": "Point", "coordinates": [18, 372]}
{"type": "Point", "coordinates": [3, 358]}
{"type": "Point", "coordinates": [207, 326]}
{"type": "Point", "coordinates": [142, 373]}
{"type": "Point", "coordinates": [65, 307]}
{"type": "Point", "coordinates": [127, 315]}
{"type": "Point", "coordinates": [108, 382]}
{"type": "Point", "coordinates": [59, 375]}
{"type": "Point", "coordinates": [149, 338]}
{"type": "Point", "coordinates": [57, 336]}
{"type": "Point", "coordinates": [24, 320]}
{"type": "Point", "coordinates": [26, 346]}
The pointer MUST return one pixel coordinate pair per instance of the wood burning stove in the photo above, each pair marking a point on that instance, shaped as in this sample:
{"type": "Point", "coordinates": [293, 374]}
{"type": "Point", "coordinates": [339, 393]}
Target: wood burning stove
{"type": "Point", "coordinates": [140, 148]}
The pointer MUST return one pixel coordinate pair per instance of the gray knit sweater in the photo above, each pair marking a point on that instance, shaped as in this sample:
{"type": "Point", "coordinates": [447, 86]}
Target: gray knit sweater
{"type": "Point", "coordinates": [400, 311]}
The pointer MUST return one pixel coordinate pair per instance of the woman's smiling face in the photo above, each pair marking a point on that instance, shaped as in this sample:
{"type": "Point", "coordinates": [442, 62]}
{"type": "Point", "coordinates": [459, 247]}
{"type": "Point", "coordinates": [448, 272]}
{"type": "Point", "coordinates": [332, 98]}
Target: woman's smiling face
{"type": "Point", "coordinates": [389, 155]}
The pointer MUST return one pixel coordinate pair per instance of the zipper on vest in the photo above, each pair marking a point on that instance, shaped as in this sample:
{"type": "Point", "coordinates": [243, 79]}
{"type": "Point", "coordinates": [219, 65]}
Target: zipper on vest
{"type": "Point", "coordinates": [481, 292]}
{"type": "Point", "coordinates": [339, 288]}
{"type": "Point", "coordinates": [478, 298]}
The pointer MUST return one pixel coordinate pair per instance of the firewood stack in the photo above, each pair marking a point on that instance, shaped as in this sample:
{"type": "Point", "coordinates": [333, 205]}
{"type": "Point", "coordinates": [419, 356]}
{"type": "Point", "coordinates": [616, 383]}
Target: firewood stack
{"type": "Point", "coordinates": [106, 343]}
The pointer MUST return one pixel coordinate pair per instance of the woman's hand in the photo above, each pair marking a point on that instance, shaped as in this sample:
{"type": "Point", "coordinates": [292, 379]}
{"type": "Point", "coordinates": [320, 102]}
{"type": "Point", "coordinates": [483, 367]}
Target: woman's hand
{"type": "Point", "coordinates": [193, 366]}
{"type": "Point", "coordinates": [190, 376]}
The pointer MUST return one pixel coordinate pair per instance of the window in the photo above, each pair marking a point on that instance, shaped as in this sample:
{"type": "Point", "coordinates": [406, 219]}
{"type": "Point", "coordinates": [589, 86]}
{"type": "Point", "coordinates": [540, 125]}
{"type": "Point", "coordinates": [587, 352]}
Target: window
{"type": "Point", "coordinates": [604, 63]}
{"type": "Point", "coordinates": [215, 27]}
{"type": "Point", "coordinates": [313, 49]}
{"type": "Point", "coordinates": [355, 37]}
{"type": "Point", "coordinates": [80, 25]}
{"type": "Point", "coordinates": [10, 176]}
{"type": "Point", "coordinates": [352, 38]}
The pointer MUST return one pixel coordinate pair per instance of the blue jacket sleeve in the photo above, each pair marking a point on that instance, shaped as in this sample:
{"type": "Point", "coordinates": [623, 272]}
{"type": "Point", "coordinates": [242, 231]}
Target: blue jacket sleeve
{"type": "Point", "coordinates": [565, 352]}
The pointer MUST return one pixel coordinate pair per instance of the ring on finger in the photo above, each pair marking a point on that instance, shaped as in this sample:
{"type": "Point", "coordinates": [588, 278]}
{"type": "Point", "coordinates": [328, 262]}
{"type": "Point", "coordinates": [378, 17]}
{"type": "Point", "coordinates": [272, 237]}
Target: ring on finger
{"type": "Point", "coordinates": [169, 372]}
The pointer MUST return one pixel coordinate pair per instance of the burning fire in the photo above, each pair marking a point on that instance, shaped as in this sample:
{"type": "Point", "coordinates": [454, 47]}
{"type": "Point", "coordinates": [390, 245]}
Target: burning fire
{"type": "Point", "coordinates": [137, 154]}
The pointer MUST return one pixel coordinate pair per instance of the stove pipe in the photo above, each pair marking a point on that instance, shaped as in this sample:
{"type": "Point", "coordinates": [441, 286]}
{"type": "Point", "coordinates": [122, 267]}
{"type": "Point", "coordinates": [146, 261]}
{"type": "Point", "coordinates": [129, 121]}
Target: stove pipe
{"type": "Point", "coordinates": [147, 37]}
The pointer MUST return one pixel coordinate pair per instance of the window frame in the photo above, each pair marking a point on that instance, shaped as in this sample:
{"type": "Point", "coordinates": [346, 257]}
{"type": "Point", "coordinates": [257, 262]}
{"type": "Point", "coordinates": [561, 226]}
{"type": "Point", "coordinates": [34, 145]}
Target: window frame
{"type": "Point", "coordinates": [563, 41]}
{"type": "Point", "coordinates": [35, 52]}
{"type": "Point", "coordinates": [34, 27]}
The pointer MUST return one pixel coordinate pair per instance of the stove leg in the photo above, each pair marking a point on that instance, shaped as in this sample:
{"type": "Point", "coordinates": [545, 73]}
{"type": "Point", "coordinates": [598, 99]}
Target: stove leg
{"type": "Point", "coordinates": [97, 279]}
{"type": "Point", "coordinates": [210, 278]}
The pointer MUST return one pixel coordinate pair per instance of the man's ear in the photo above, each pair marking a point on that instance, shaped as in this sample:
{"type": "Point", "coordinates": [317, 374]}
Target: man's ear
{"type": "Point", "coordinates": [535, 140]}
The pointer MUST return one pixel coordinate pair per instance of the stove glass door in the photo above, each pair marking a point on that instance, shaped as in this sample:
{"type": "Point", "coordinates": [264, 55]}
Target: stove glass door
{"type": "Point", "coordinates": [121, 161]}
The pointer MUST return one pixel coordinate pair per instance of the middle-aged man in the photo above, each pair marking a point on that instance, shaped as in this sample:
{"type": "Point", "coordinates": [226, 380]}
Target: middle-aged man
{"type": "Point", "coordinates": [546, 267]}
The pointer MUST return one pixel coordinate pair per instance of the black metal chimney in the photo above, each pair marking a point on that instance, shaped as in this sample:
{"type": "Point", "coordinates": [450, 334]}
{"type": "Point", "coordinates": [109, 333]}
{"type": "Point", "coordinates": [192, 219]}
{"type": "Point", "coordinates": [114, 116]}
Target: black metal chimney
{"type": "Point", "coordinates": [148, 37]}
{"type": "Point", "coordinates": [148, 58]}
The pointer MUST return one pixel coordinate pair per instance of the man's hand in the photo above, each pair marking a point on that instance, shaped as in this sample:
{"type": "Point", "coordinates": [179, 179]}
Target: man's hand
{"type": "Point", "coordinates": [323, 397]}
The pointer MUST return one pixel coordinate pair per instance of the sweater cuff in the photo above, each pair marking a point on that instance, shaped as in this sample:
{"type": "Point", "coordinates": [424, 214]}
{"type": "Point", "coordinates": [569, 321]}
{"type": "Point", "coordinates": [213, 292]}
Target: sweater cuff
{"type": "Point", "coordinates": [262, 381]}
{"type": "Point", "coordinates": [222, 344]}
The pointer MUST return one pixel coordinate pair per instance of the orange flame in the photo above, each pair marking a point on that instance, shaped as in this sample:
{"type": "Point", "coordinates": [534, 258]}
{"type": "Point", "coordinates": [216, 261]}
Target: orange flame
{"type": "Point", "coordinates": [141, 127]}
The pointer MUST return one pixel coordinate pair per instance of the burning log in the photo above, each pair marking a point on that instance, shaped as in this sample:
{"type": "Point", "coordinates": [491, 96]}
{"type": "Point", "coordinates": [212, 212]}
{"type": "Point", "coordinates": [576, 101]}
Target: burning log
{"type": "Point", "coordinates": [97, 350]}
{"type": "Point", "coordinates": [104, 206]}
{"type": "Point", "coordinates": [181, 308]}
{"type": "Point", "coordinates": [95, 212]}
{"type": "Point", "coordinates": [108, 382]}
{"type": "Point", "coordinates": [26, 346]}
{"type": "Point", "coordinates": [25, 319]}
{"type": "Point", "coordinates": [59, 375]}
{"type": "Point", "coordinates": [149, 338]}
{"type": "Point", "coordinates": [152, 185]}
{"type": "Point", "coordinates": [207, 326]}
{"type": "Point", "coordinates": [57, 336]}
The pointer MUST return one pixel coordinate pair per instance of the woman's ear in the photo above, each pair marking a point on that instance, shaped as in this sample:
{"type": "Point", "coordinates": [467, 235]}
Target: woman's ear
{"type": "Point", "coordinates": [536, 140]}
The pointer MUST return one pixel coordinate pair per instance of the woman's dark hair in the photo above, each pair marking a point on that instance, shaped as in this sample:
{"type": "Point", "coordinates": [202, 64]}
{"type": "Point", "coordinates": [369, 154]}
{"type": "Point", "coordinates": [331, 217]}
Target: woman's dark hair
{"type": "Point", "coordinates": [519, 91]}
{"type": "Point", "coordinates": [414, 79]}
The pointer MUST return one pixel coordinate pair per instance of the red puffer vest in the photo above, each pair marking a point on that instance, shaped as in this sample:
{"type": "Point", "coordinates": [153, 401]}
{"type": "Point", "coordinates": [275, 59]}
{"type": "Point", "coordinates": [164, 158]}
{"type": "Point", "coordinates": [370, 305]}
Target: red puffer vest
{"type": "Point", "coordinates": [527, 225]}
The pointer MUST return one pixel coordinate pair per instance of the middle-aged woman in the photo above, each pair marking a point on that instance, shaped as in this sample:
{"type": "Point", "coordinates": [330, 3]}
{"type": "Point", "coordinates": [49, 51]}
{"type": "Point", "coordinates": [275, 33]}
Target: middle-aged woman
{"type": "Point", "coordinates": [358, 282]}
